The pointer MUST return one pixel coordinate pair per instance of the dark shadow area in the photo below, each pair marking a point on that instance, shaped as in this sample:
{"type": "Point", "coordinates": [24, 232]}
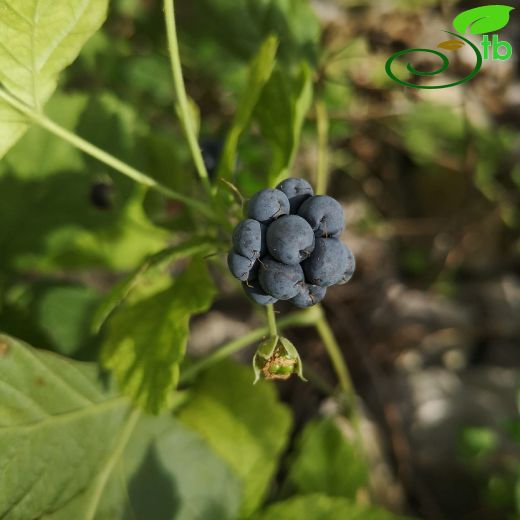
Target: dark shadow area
{"type": "Point", "coordinates": [151, 492]}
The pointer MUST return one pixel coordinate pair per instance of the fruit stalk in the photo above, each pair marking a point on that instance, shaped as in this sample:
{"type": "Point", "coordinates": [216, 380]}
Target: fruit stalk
{"type": "Point", "coordinates": [271, 320]}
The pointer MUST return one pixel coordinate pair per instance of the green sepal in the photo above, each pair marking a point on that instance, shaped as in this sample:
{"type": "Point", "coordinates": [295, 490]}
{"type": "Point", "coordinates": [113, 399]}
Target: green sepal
{"type": "Point", "coordinates": [276, 358]}
{"type": "Point", "coordinates": [291, 351]}
{"type": "Point", "coordinates": [264, 351]}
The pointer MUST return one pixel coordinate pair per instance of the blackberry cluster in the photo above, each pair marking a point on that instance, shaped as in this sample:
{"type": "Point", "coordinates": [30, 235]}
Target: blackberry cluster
{"type": "Point", "coordinates": [288, 248]}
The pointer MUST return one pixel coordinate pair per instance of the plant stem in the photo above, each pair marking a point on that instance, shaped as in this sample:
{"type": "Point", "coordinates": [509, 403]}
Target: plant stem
{"type": "Point", "coordinates": [307, 318]}
{"type": "Point", "coordinates": [183, 107]}
{"type": "Point", "coordinates": [99, 154]}
{"type": "Point", "coordinates": [322, 326]}
{"type": "Point", "coordinates": [336, 357]}
{"type": "Point", "coordinates": [322, 121]}
{"type": "Point", "coordinates": [334, 352]}
{"type": "Point", "coordinates": [271, 320]}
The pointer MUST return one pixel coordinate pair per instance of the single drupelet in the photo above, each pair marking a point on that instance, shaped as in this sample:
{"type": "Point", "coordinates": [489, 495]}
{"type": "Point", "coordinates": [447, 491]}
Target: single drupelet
{"type": "Point", "coordinates": [288, 248]}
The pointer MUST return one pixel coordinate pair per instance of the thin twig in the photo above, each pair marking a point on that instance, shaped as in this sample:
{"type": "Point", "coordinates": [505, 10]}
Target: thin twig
{"type": "Point", "coordinates": [99, 154]}
{"type": "Point", "coordinates": [183, 106]}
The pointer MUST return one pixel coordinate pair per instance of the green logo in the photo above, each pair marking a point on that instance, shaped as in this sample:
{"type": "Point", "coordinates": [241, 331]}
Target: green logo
{"type": "Point", "coordinates": [480, 20]}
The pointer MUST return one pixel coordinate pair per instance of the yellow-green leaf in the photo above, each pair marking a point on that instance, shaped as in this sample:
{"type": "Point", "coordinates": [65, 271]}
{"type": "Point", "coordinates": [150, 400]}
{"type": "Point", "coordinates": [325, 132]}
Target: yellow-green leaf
{"type": "Point", "coordinates": [146, 340]}
{"type": "Point", "coordinates": [38, 39]}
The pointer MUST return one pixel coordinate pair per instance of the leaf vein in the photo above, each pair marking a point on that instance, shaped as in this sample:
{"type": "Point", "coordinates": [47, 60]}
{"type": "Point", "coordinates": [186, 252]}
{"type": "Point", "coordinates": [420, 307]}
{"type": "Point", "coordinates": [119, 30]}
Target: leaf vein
{"type": "Point", "coordinates": [56, 377]}
{"type": "Point", "coordinates": [59, 39]}
{"type": "Point", "coordinates": [24, 397]}
{"type": "Point", "coordinates": [16, 12]}
{"type": "Point", "coordinates": [15, 58]}
{"type": "Point", "coordinates": [65, 416]}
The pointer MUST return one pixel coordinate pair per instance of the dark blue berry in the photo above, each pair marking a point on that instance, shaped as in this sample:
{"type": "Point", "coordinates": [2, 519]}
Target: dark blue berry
{"type": "Point", "coordinates": [324, 214]}
{"type": "Point", "coordinates": [281, 281]}
{"type": "Point", "coordinates": [297, 191]}
{"type": "Point", "coordinates": [249, 238]}
{"type": "Point", "coordinates": [257, 294]}
{"type": "Point", "coordinates": [290, 239]}
{"type": "Point", "coordinates": [267, 205]}
{"type": "Point", "coordinates": [102, 195]}
{"type": "Point", "coordinates": [351, 266]}
{"type": "Point", "coordinates": [211, 150]}
{"type": "Point", "coordinates": [309, 295]}
{"type": "Point", "coordinates": [327, 263]}
{"type": "Point", "coordinates": [239, 265]}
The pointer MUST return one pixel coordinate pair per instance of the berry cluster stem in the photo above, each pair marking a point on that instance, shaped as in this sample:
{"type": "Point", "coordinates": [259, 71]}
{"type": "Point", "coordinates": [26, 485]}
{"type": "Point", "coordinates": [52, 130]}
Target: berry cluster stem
{"type": "Point", "coordinates": [182, 104]}
{"type": "Point", "coordinates": [271, 320]}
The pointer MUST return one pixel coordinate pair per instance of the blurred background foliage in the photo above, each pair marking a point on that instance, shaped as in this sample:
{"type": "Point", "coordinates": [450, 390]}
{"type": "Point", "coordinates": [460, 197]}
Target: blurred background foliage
{"type": "Point", "coordinates": [430, 182]}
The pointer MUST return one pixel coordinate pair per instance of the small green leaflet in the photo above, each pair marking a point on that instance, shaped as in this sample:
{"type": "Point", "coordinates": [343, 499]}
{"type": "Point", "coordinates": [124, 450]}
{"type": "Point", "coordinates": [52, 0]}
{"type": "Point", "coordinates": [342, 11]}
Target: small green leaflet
{"type": "Point", "coordinates": [38, 39]}
{"type": "Point", "coordinates": [146, 341]}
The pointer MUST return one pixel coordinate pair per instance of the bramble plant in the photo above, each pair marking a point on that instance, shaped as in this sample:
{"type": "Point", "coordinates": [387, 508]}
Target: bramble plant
{"type": "Point", "coordinates": [74, 445]}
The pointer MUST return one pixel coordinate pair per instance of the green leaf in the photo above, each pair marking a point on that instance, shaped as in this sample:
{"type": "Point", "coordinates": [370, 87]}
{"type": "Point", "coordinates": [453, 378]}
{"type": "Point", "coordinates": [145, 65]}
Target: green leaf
{"type": "Point", "coordinates": [194, 247]}
{"type": "Point", "coordinates": [281, 113]}
{"type": "Point", "coordinates": [48, 405]}
{"type": "Point", "coordinates": [245, 425]}
{"type": "Point", "coordinates": [311, 507]}
{"type": "Point", "coordinates": [327, 461]}
{"type": "Point", "coordinates": [63, 313]}
{"type": "Point", "coordinates": [50, 155]}
{"type": "Point", "coordinates": [151, 75]}
{"type": "Point", "coordinates": [260, 71]}
{"type": "Point", "coordinates": [39, 38]}
{"type": "Point", "coordinates": [165, 471]}
{"type": "Point", "coordinates": [146, 340]}
{"type": "Point", "coordinates": [239, 26]}
{"type": "Point", "coordinates": [53, 314]}
{"type": "Point", "coordinates": [63, 229]}
{"type": "Point", "coordinates": [114, 126]}
{"type": "Point", "coordinates": [74, 450]}
{"type": "Point", "coordinates": [484, 19]}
